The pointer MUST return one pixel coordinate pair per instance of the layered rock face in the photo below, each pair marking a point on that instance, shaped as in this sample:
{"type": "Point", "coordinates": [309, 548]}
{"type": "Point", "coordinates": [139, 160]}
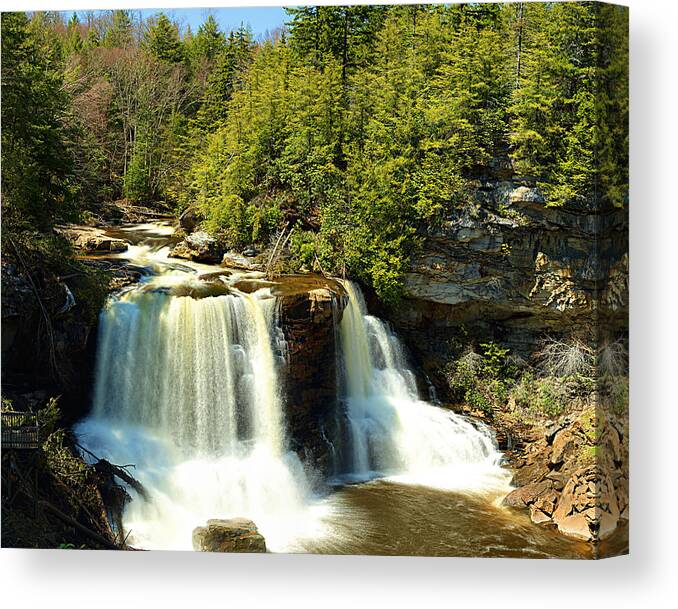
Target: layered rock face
{"type": "Point", "coordinates": [512, 269]}
{"type": "Point", "coordinates": [310, 311]}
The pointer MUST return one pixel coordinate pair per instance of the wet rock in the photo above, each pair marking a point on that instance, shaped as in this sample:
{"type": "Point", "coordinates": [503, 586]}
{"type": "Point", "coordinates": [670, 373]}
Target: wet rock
{"type": "Point", "coordinates": [526, 495]}
{"type": "Point", "coordinates": [121, 272]}
{"type": "Point", "coordinates": [199, 247]}
{"type": "Point", "coordinates": [310, 307]}
{"type": "Point", "coordinates": [92, 240]}
{"type": "Point", "coordinates": [189, 219]}
{"type": "Point", "coordinates": [233, 535]}
{"type": "Point", "coordinates": [243, 261]}
{"type": "Point", "coordinates": [538, 516]}
{"type": "Point", "coordinates": [576, 526]}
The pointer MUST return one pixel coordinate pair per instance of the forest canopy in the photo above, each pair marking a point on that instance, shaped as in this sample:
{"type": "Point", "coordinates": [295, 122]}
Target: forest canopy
{"type": "Point", "coordinates": [363, 127]}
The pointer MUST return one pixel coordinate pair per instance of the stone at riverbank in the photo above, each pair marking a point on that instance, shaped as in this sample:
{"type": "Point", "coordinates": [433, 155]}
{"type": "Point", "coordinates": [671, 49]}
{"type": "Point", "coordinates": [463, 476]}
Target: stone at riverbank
{"type": "Point", "coordinates": [575, 477]}
{"type": "Point", "coordinates": [199, 247]}
{"type": "Point", "coordinates": [92, 240]}
{"type": "Point", "coordinates": [232, 535]}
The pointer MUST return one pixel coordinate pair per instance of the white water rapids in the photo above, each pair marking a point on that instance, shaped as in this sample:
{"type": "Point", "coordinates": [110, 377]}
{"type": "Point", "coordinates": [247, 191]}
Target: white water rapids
{"type": "Point", "coordinates": [190, 391]}
{"type": "Point", "coordinates": [394, 433]}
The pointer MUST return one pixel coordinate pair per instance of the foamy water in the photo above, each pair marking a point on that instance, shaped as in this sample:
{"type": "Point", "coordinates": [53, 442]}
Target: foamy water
{"type": "Point", "coordinates": [190, 390]}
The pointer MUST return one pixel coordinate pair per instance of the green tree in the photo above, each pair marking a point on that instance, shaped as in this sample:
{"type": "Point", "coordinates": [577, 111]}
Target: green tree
{"type": "Point", "coordinates": [230, 63]}
{"type": "Point", "coordinates": [73, 42]}
{"type": "Point", "coordinates": [120, 32]}
{"type": "Point", "coordinates": [36, 163]}
{"type": "Point", "coordinates": [209, 41]}
{"type": "Point", "coordinates": [554, 124]}
{"type": "Point", "coordinates": [163, 42]}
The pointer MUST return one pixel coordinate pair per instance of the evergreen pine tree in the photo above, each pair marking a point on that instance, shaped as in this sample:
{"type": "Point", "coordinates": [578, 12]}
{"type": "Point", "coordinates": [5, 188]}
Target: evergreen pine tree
{"type": "Point", "coordinates": [163, 42]}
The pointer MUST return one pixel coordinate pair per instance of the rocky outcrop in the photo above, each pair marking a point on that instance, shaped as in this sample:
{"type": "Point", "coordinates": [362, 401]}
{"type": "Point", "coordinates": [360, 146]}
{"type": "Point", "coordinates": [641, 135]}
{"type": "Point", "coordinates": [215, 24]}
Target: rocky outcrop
{"type": "Point", "coordinates": [510, 268]}
{"type": "Point", "coordinates": [92, 240]}
{"type": "Point", "coordinates": [199, 247]}
{"type": "Point", "coordinates": [310, 311]}
{"type": "Point", "coordinates": [189, 219]}
{"type": "Point", "coordinates": [574, 475]}
{"type": "Point", "coordinates": [234, 535]}
{"type": "Point", "coordinates": [46, 339]}
{"type": "Point", "coordinates": [234, 260]}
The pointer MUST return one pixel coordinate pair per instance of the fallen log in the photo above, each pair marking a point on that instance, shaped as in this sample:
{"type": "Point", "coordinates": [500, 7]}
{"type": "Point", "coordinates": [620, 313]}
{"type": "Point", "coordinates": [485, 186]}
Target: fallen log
{"type": "Point", "coordinates": [76, 525]}
{"type": "Point", "coordinates": [107, 469]}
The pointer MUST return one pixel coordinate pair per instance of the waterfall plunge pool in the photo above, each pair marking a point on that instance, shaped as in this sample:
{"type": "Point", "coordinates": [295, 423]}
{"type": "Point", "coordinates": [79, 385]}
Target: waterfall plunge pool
{"type": "Point", "coordinates": [189, 390]}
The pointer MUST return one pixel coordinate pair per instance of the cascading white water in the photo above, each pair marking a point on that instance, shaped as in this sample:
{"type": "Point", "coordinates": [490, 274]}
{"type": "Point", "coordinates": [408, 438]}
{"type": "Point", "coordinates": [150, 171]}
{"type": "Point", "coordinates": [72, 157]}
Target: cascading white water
{"type": "Point", "coordinates": [391, 431]}
{"type": "Point", "coordinates": [187, 389]}
{"type": "Point", "coordinates": [189, 368]}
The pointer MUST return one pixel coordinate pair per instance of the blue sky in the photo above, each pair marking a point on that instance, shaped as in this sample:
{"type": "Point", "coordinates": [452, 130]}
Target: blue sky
{"type": "Point", "coordinates": [261, 19]}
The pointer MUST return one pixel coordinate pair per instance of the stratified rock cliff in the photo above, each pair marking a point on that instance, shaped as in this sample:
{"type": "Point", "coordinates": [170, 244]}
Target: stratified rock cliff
{"type": "Point", "coordinates": [513, 269]}
{"type": "Point", "coordinates": [310, 309]}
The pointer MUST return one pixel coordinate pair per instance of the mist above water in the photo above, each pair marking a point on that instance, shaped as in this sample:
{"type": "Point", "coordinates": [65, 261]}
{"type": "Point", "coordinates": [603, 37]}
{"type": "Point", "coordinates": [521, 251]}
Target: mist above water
{"type": "Point", "coordinates": [190, 391]}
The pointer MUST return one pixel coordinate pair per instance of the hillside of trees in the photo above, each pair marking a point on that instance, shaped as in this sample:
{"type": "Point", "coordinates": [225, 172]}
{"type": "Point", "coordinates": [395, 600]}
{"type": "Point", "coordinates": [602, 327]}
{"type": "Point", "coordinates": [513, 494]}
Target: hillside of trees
{"type": "Point", "coordinates": [362, 127]}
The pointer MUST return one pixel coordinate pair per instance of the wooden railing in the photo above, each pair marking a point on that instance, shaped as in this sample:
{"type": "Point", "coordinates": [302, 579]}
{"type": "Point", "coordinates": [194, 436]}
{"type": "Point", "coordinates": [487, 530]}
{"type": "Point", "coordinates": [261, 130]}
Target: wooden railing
{"type": "Point", "coordinates": [20, 430]}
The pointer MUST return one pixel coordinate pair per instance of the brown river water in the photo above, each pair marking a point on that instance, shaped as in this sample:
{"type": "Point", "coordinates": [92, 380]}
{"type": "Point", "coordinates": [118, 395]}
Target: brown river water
{"type": "Point", "coordinates": [388, 517]}
{"type": "Point", "coordinates": [394, 519]}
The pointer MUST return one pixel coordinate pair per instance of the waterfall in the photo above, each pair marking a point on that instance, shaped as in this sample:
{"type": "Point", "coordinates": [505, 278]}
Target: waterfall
{"type": "Point", "coordinates": [391, 432]}
{"type": "Point", "coordinates": [187, 389]}
{"type": "Point", "coordinates": [198, 371]}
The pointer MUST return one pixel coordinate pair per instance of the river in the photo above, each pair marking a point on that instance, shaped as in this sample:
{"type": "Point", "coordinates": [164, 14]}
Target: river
{"type": "Point", "coordinates": [189, 388]}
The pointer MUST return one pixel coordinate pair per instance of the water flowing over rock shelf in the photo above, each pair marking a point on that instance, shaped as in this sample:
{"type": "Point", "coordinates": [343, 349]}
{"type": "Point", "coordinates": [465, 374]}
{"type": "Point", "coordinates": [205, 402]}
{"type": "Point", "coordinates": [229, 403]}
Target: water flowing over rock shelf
{"type": "Point", "coordinates": [194, 391]}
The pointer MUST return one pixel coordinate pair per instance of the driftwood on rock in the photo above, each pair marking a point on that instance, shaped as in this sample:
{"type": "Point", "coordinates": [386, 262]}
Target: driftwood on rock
{"type": "Point", "coordinates": [113, 494]}
{"type": "Point", "coordinates": [107, 469]}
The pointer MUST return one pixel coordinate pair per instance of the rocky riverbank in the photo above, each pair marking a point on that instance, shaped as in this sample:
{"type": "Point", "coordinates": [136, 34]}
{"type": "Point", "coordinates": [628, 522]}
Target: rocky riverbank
{"type": "Point", "coordinates": [511, 275]}
{"type": "Point", "coordinates": [572, 473]}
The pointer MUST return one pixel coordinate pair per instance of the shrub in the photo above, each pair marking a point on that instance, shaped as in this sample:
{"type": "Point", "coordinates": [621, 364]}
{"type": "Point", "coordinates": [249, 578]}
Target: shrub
{"type": "Point", "coordinates": [482, 381]}
{"type": "Point", "coordinates": [541, 397]}
{"type": "Point", "coordinates": [560, 358]}
{"type": "Point", "coordinates": [613, 358]}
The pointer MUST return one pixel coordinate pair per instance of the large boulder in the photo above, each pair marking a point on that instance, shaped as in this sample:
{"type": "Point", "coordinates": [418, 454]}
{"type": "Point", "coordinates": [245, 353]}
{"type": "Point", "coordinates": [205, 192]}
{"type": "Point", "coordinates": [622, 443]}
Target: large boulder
{"type": "Point", "coordinates": [232, 535]}
{"type": "Point", "coordinates": [92, 240]}
{"type": "Point", "coordinates": [199, 247]}
{"type": "Point", "coordinates": [525, 496]}
{"type": "Point", "coordinates": [234, 260]}
{"type": "Point", "coordinates": [588, 507]}
{"type": "Point", "coordinates": [189, 219]}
